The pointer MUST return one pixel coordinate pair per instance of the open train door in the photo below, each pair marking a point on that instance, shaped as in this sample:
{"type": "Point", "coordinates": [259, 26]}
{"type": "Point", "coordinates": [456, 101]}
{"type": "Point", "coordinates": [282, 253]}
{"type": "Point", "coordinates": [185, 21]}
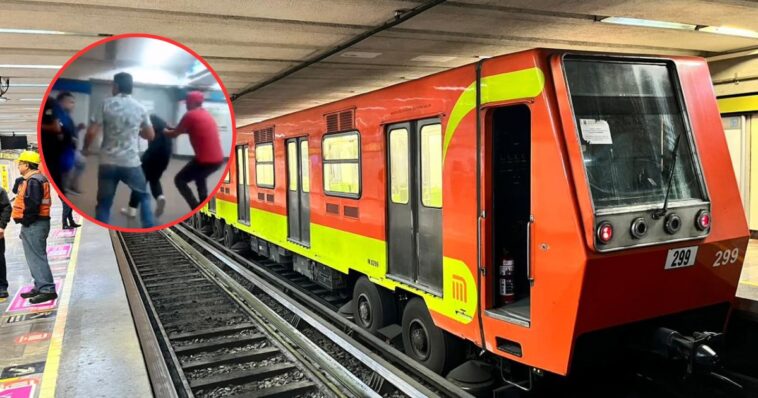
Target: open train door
{"type": "Point", "coordinates": [509, 141]}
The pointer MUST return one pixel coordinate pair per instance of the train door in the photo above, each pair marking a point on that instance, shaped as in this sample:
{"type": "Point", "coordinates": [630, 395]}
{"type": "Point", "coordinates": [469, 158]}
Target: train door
{"type": "Point", "coordinates": [243, 183]}
{"type": "Point", "coordinates": [414, 186]}
{"type": "Point", "coordinates": [511, 211]}
{"type": "Point", "coordinates": [298, 191]}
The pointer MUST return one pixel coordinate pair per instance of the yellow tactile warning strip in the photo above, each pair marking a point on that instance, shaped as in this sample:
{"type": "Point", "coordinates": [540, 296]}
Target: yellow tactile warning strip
{"type": "Point", "coordinates": [749, 280]}
{"type": "Point", "coordinates": [50, 377]}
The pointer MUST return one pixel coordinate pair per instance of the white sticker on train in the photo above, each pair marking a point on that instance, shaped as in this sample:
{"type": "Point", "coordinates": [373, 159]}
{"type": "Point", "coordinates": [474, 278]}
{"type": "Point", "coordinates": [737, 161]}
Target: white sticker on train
{"type": "Point", "coordinates": [681, 257]}
{"type": "Point", "coordinates": [596, 131]}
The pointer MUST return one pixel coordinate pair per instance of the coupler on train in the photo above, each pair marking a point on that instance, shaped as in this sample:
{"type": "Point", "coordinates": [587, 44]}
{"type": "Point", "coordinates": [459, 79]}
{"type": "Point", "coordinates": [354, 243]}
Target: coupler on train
{"type": "Point", "coordinates": [697, 353]}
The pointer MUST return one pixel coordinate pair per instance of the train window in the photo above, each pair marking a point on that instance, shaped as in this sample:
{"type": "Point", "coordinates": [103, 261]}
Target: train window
{"type": "Point", "coordinates": [399, 163]}
{"type": "Point", "coordinates": [431, 165]}
{"type": "Point", "coordinates": [264, 165]}
{"type": "Point", "coordinates": [227, 179]}
{"type": "Point", "coordinates": [341, 157]}
{"type": "Point", "coordinates": [305, 166]}
{"type": "Point", "coordinates": [292, 165]}
{"type": "Point", "coordinates": [630, 123]}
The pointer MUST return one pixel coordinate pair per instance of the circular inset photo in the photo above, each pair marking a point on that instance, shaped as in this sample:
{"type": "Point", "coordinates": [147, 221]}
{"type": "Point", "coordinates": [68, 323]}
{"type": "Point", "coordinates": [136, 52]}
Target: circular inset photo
{"type": "Point", "coordinates": [135, 133]}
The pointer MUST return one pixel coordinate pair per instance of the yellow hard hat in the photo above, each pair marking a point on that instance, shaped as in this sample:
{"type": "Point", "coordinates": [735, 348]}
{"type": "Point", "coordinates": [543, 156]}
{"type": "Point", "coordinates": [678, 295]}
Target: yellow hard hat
{"type": "Point", "coordinates": [29, 157]}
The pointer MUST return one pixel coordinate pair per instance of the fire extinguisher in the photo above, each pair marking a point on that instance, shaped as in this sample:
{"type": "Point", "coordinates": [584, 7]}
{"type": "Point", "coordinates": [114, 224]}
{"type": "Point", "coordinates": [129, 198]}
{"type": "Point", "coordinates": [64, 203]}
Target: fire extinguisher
{"type": "Point", "coordinates": [507, 269]}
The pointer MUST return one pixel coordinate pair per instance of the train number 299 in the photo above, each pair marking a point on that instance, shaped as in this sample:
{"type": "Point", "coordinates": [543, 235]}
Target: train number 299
{"type": "Point", "coordinates": [727, 256]}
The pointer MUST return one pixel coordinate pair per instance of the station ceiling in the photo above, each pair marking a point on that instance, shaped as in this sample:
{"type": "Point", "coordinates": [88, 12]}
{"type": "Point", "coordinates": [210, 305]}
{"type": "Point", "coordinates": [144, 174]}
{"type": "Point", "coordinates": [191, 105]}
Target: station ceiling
{"type": "Point", "coordinates": [251, 42]}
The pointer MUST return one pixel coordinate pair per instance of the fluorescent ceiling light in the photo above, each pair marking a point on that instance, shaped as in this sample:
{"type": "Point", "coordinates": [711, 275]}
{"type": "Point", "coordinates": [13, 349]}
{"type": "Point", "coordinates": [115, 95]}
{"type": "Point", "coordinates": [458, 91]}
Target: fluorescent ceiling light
{"type": "Point", "coordinates": [22, 66]}
{"type": "Point", "coordinates": [33, 31]}
{"type": "Point", "coordinates": [29, 84]}
{"type": "Point", "coordinates": [47, 32]}
{"type": "Point", "coordinates": [724, 30]}
{"type": "Point", "coordinates": [648, 23]}
{"type": "Point", "coordinates": [158, 52]}
{"type": "Point", "coordinates": [31, 99]}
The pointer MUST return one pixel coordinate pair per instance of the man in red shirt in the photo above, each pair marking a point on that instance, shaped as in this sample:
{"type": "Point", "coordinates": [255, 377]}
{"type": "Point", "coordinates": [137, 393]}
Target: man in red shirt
{"type": "Point", "coordinates": [206, 142]}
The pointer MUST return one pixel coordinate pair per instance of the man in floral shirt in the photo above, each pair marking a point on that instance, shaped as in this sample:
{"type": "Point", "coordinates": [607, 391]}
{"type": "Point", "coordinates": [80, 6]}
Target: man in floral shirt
{"type": "Point", "coordinates": [122, 120]}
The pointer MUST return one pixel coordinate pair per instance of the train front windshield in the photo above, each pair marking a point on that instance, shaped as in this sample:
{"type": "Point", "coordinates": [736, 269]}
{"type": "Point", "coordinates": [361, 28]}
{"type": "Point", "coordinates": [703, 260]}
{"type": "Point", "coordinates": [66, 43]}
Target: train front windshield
{"type": "Point", "coordinates": [628, 117]}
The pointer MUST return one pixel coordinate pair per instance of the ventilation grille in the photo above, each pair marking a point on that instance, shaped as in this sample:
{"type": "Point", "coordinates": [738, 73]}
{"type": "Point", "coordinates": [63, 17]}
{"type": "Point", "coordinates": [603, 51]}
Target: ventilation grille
{"type": "Point", "coordinates": [269, 198]}
{"type": "Point", "coordinates": [350, 211]}
{"type": "Point", "coordinates": [261, 196]}
{"type": "Point", "coordinates": [264, 135]}
{"type": "Point", "coordinates": [340, 121]}
{"type": "Point", "coordinates": [332, 123]}
{"type": "Point", "coordinates": [332, 208]}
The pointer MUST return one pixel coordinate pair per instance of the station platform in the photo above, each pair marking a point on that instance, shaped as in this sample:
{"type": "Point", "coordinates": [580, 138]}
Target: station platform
{"type": "Point", "coordinates": [748, 288]}
{"type": "Point", "coordinates": [82, 344]}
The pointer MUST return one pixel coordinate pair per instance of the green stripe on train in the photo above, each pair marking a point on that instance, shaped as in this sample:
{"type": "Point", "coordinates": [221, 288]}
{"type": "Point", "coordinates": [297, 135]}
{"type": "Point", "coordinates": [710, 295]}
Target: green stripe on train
{"type": "Point", "coordinates": [344, 251]}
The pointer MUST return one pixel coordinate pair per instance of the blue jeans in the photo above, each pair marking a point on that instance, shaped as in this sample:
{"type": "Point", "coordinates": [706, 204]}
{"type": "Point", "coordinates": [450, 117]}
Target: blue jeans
{"type": "Point", "coordinates": [34, 240]}
{"type": "Point", "coordinates": [107, 181]}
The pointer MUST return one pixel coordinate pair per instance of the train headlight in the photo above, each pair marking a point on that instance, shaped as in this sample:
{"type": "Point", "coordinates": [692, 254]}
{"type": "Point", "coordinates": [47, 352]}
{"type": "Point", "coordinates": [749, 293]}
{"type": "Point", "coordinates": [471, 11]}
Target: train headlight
{"type": "Point", "coordinates": [604, 232]}
{"type": "Point", "coordinates": [639, 228]}
{"type": "Point", "coordinates": [672, 224]}
{"type": "Point", "coordinates": [703, 220]}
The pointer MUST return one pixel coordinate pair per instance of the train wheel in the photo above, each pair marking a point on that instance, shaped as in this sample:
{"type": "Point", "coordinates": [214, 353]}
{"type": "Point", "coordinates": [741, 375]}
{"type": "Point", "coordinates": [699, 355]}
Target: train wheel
{"type": "Point", "coordinates": [218, 229]}
{"type": "Point", "coordinates": [373, 306]}
{"type": "Point", "coordinates": [422, 339]}
{"type": "Point", "coordinates": [205, 224]}
{"type": "Point", "coordinates": [230, 237]}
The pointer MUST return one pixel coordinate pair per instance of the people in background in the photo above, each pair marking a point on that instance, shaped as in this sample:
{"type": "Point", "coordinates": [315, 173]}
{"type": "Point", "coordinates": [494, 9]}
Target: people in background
{"type": "Point", "coordinates": [52, 137]}
{"type": "Point", "coordinates": [31, 209]}
{"type": "Point", "coordinates": [154, 163]}
{"type": "Point", "coordinates": [5, 217]}
{"type": "Point", "coordinates": [205, 140]}
{"type": "Point", "coordinates": [70, 132]}
{"type": "Point", "coordinates": [122, 120]}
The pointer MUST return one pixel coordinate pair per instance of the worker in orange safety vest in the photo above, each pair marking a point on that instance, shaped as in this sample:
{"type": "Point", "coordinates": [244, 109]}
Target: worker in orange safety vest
{"type": "Point", "coordinates": [31, 209]}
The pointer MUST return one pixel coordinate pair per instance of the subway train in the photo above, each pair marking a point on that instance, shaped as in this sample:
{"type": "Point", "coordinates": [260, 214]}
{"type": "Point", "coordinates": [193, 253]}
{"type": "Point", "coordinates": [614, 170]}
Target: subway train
{"type": "Point", "coordinates": [550, 207]}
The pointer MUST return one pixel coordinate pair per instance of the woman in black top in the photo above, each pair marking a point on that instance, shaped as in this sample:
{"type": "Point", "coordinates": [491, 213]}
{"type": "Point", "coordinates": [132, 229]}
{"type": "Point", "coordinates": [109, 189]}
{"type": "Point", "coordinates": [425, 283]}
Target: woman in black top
{"type": "Point", "coordinates": [154, 163]}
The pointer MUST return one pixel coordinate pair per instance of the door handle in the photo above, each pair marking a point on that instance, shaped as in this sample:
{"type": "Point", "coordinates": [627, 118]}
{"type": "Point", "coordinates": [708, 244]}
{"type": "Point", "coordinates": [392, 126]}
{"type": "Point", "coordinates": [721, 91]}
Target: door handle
{"type": "Point", "coordinates": [529, 250]}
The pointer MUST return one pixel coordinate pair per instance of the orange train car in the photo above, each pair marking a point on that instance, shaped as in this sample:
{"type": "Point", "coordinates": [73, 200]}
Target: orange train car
{"type": "Point", "coordinates": [533, 204]}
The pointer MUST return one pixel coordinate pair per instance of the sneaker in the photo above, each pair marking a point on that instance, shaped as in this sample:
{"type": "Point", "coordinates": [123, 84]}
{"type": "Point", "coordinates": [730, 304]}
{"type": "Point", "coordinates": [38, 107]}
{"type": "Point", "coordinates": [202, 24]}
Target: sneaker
{"type": "Point", "coordinates": [3, 292]}
{"type": "Point", "coordinates": [42, 297]}
{"type": "Point", "coordinates": [130, 212]}
{"type": "Point", "coordinates": [29, 294]}
{"type": "Point", "coordinates": [160, 205]}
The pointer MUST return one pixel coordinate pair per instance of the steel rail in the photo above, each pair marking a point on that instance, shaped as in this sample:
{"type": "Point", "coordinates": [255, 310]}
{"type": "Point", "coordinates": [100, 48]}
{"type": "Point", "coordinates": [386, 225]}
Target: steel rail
{"type": "Point", "coordinates": [166, 381]}
{"type": "Point", "coordinates": [314, 312]}
{"type": "Point", "coordinates": [277, 327]}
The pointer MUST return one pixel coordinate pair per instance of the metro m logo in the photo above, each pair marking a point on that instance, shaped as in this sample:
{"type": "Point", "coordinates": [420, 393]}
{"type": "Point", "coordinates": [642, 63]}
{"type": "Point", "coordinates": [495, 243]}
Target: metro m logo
{"type": "Point", "coordinates": [459, 288]}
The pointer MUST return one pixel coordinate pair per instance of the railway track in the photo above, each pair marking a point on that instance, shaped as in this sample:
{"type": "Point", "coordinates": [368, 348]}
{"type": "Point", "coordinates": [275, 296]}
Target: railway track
{"type": "Point", "coordinates": [304, 302]}
{"type": "Point", "coordinates": [216, 342]}
{"type": "Point", "coordinates": [222, 335]}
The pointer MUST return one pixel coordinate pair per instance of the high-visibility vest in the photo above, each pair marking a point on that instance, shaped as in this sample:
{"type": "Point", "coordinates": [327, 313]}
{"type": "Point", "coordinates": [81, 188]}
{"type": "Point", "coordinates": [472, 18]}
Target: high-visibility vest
{"type": "Point", "coordinates": [19, 205]}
